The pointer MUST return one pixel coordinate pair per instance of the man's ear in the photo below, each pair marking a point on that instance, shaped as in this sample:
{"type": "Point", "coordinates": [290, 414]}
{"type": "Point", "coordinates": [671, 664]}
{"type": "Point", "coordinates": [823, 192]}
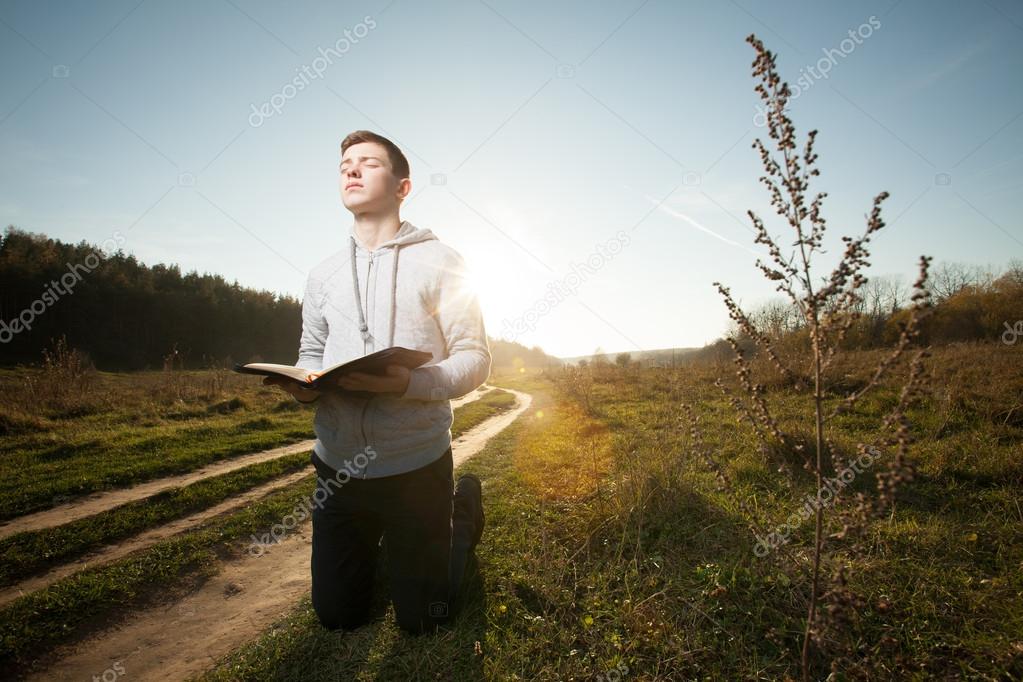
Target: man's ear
{"type": "Point", "coordinates": [404, 188]}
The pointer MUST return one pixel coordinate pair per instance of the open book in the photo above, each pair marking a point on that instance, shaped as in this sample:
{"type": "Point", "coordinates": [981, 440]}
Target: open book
{"type": "Point", "coordinates": [374, 363]}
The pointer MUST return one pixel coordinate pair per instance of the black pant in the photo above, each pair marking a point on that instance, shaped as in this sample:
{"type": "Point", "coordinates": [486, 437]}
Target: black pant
{"type": "Point", "coordinates": [412, 511]}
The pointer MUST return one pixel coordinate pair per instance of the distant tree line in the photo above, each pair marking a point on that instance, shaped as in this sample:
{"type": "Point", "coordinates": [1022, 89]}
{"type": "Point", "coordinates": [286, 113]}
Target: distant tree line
{"type": "Point", "coordinates": [970, 304]}
{"type": "Point", "coordinates": [514, 355]}
{"type": "Point", "coordinates": [126, 315]}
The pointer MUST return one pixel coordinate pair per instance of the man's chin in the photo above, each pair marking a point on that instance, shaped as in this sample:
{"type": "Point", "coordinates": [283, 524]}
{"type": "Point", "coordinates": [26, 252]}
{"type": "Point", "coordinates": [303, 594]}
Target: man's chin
{"type": "Point", "coordinates": [357, 205]}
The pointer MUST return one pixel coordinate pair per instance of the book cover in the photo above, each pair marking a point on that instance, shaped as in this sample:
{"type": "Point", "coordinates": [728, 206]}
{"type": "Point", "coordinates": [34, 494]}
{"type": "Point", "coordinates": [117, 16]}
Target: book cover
{"type": "Point", "coordinates": [374, 363]}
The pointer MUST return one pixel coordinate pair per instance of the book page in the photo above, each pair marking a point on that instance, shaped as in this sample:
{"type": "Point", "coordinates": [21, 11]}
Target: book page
{"type": "Point", "coordinates": [296, 373]}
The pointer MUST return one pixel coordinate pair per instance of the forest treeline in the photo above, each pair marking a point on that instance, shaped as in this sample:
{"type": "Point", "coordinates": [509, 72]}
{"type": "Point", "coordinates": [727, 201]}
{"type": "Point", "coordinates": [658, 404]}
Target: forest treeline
{"type": "Point", "coordinates": [125, 315]}
{"type": "Point", "coordinates": [970, 304]}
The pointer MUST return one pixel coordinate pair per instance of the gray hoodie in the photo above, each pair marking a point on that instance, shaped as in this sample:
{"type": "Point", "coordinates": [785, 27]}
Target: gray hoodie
{"type": "Point", "coordinates": [412, 292]}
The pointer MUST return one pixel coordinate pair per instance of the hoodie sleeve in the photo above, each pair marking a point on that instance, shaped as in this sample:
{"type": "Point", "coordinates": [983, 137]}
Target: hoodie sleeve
{"type": "Point", "coordinates": [314, 328]}
{"type": "Point", "coordinates": [457, 313]}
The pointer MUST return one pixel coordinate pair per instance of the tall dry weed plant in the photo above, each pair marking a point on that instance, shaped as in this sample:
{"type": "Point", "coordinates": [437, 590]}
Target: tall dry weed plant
{"type": "Point", "coordinates": [184, 386]}
{"type": "Point", "coordinates": [64, 381]}
{"type": "Point", "coordinates": [829, 307]}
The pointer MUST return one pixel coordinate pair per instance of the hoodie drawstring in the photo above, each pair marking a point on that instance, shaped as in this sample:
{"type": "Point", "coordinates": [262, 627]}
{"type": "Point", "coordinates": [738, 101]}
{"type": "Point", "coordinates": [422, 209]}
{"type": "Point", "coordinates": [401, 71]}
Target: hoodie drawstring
{"type": "Point", "coordinates": [394, 292]}
{"type": "Point", "coordinates": [363, 327]}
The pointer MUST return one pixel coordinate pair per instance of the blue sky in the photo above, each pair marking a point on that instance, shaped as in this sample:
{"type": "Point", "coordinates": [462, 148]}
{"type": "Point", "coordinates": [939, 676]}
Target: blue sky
{"type": "Point", "coordinates": [538, 134]}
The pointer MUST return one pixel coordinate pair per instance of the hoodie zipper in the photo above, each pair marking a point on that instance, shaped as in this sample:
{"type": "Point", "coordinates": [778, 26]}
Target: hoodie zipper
{"type": "Point", "coordinates": [365, 405]}
{"type": "Point", "coordinates": [365, 349]}
{"type": "Point", "coordinates": [368, 307]}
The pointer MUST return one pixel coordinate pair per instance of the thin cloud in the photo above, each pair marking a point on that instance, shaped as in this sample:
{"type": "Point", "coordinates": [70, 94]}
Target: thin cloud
{"type": "Point", "coordinates": [953, 64]}
{"type": "Point", "coordinates": [682, 216]}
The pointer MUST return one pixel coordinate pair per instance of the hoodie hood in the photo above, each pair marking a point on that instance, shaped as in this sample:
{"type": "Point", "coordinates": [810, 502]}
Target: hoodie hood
{"type": "Point", "coordinates": [407, 234]}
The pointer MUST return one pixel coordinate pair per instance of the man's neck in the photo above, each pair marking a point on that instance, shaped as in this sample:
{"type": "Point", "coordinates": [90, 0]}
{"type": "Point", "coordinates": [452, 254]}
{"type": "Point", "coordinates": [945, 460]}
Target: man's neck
{"type": "Point", "coordinates": [374, 230]}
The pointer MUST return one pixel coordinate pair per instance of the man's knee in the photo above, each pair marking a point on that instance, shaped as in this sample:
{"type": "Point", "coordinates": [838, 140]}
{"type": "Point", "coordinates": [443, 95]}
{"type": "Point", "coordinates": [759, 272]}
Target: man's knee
{"type": "Point", "coordinates": [340, 610]}
{"type": "Point", "coordinates": [341, 619]}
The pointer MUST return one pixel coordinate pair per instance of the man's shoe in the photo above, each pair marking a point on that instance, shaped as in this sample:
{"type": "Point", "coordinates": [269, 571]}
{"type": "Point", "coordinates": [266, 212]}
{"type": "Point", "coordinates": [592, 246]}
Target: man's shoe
{"type": "Point", "coordinates": [468, 517]}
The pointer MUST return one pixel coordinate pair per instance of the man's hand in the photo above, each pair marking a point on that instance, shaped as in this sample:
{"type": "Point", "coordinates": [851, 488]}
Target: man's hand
{"type": "Point", "coordinates": [295, 388]}
{"type": "Point", "coordinates": [395, 381]}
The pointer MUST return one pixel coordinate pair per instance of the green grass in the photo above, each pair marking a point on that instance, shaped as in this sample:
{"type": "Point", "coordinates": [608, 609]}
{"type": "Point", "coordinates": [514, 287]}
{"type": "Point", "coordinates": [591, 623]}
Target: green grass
{"type": "Point", "coordinates": [131, 429]}
{"type": "Point", "coordinates": [33, 625]}
{"type": "Point", "coordinates": [941, 580]}
{"type": "Point", "coordinates": [492, 402]}
{"type": "Point", "coordinates": [29, 553]}
{"type": "Point", "coordinates": [609, 546]}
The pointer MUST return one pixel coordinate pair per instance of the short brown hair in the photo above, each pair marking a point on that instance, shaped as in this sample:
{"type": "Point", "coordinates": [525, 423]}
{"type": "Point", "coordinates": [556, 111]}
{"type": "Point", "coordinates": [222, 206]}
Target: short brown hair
{"type": "Point", "coordinates": [399, 164]}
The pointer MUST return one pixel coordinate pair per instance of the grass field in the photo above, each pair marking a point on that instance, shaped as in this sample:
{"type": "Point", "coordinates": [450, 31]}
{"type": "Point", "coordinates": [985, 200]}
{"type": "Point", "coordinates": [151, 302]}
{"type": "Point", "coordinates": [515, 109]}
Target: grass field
{"type": "Point", "coordinates": [130, 409]}
{"type": "Point", "coordinates": [610, 551]}
{"type": "Point", "coordinates": [129, 428]}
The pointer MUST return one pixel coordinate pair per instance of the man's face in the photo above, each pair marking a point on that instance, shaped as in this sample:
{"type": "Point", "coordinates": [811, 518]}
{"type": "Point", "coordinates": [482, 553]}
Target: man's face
{"type": "Point", "coordinates": [366, 182]}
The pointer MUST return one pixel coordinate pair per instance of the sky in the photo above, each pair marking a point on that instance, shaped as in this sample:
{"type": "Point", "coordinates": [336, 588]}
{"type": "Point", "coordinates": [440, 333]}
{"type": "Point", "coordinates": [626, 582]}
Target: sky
{"type": "Point", "coordinates": [592, 162]}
